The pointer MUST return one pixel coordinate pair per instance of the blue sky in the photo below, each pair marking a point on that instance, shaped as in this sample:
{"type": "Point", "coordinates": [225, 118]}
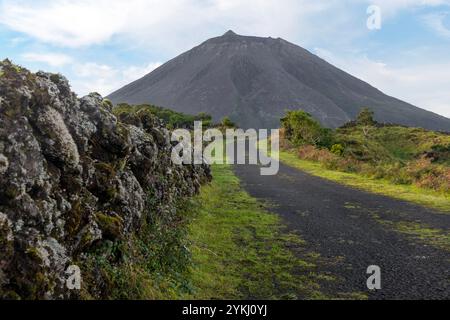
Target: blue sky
{"type": "Point", "coordinates": [102, 45]}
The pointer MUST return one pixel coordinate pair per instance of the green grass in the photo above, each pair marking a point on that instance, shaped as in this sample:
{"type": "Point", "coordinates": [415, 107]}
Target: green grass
{"type": "Point", "coordinates": [435, 237]}
{"type": "Point", "coordinates": [241, 251]}
{"type": "Point", "coordinates": [417, 231]}
{"type": "Point", "coordinates": [390, 143]}
{"type": "Point", "coordinates": [428, 198]}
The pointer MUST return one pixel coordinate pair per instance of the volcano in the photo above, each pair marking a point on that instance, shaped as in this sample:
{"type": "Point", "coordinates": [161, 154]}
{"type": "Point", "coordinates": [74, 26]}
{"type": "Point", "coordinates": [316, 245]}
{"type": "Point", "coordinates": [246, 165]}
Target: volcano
{"type": "Point", "coordinates": [253, 80]}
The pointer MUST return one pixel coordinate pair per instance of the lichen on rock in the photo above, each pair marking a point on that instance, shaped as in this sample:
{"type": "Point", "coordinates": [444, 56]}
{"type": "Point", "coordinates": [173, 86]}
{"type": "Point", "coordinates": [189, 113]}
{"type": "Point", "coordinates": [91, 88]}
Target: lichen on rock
{"type": "Point", "coordinates": [4, 164]}
{"type": "Point", "coordinates": [74, 178]}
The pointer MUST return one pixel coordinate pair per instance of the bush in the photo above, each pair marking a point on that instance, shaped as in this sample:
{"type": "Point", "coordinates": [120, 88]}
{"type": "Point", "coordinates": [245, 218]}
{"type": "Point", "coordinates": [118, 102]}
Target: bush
{"type": "Point", "coordinates": [172, 119]}
{"type": "Point", "coordinates": [398, 154]}
{"type": "Point", "coordinates": [227, 123]}
{"type": "Point", "coordinates": [301, 129]}
{"type": "Point", "coordinates": [337, 149]}
{"type": "Point", "coordinates": [366, 117]}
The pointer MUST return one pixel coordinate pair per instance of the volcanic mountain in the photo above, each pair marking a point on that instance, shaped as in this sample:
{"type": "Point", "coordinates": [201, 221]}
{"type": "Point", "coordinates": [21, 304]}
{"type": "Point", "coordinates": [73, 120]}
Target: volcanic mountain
{"type": "Point", "coordinates": [254, 80]}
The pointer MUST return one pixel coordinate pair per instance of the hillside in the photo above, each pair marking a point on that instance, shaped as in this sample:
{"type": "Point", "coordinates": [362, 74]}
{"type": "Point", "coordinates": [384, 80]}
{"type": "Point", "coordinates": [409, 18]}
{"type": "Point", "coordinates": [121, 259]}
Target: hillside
{"type": "Point", "coordinates": [402, 155]}
{"type": "Point", "coordinates": [253, 80]}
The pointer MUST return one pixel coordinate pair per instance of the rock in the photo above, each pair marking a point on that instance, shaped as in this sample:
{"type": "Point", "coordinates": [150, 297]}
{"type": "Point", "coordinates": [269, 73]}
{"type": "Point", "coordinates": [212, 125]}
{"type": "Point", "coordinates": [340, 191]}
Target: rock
{"type": "Point", "coordinates": [4, 164]}
{"type": "Point", "coordinates": [73, 178]}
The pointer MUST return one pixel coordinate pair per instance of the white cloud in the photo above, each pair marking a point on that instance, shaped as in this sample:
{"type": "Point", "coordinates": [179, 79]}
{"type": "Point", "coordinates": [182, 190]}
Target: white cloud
{"type": "Point", "coordinates": [82, 23]}
{"type": "Point", "coordinates": [66, 23]}
{"type": "Point", "coordinates": [51, 59]}
{"type": "Point", "coordinates": [436, 23]}
{"type": "Point", "coordinates": [175, 25]}
{"type": "Point", "coordinates": [425, 86]}
{"type": "Point", "coordinates": [392, 7]}
{"type": "Point", "coordinates": [104, 79]}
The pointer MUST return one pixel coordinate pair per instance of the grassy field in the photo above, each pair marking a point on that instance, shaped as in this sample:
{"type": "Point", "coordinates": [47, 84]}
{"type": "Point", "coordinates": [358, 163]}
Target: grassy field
{"type": "Point", "coordinates": [241, 251]}
{"type": "Point", "coordinates": [428, 198]}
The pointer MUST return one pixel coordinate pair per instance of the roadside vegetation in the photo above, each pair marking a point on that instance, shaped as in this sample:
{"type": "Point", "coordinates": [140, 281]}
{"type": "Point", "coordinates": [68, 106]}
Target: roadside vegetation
{"type": "Point", "coordinates": [408, 163]}
{"type": "Point", "coordinates": [172, 119]}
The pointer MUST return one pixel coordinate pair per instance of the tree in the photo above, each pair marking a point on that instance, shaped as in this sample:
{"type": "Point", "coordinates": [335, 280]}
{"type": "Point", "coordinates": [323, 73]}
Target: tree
{"type": "Point", "coordinates": [366, 117]}
{"type": "Point", "coordinates": [366, 120]}
{"type": "Point", "coordinates": [205, 118]}
{"type": "Point", "coordinates": [227, 123]}
{"type": "Point", "coordinates": [300, 128]}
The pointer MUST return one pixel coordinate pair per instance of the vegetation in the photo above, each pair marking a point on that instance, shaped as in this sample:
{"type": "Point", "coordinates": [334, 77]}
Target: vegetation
{"type": "Point", "coordinates": [301, 129]}
{"type": "Point", "coordinates": [171, 118]}
{"type": "Point", "coordinates": [227, 123]}
{"type": "Point", "coordinates": [429, 198]}
{"type": "Point", "coordinates": [397, 154]}
{"type": "Point", "coordinates": [153, 264]}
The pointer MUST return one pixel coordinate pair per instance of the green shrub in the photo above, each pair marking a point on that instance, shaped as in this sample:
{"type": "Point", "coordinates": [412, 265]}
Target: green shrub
{"type": "Point", "coordinates": [337, 149]}
{"type": "Point", "coordinates": [301, 129]}
{"type": "Point", "coordinates": [399, 154]}
{"type": "Point", "coordinates": [227, 123]}
{"type": "Point", "coordinates": [172, 119]}
{"type": "Point", "coordinates": [107, 104]}
{"type": "Point", "coordinates": [365, 117]}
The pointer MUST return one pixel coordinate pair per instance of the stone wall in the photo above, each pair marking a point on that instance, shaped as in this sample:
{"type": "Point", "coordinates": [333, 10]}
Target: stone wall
{"type": "Point", "coordinates": [72, 175]}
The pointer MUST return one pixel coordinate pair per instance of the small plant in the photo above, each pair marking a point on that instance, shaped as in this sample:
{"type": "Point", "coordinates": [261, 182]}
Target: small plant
{"type": "Point", "coordinates": [107, 104]}
{"type": "Point", "coordinates": [337, 149]}
{"type": "Point", "coordinates": [227, 123]}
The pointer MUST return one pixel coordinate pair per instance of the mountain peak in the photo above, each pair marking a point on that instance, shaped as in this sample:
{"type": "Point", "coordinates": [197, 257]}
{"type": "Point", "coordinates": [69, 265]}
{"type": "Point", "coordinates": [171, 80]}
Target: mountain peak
{"type": "Point", "coordinates": [229, 33]}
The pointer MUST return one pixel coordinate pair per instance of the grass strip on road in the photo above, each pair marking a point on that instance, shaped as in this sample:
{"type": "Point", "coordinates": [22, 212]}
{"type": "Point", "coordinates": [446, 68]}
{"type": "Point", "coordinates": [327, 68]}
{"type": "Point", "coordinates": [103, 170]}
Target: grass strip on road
{"type": "Point", "coordinates": [242, 251]}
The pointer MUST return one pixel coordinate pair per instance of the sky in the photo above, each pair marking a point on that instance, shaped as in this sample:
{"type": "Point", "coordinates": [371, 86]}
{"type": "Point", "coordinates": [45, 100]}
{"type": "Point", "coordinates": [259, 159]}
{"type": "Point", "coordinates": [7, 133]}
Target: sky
{"type": "Point", "coordinates": [104, 44]}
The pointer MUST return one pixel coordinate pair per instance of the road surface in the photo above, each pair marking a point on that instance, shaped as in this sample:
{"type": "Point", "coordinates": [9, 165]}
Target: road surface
{"type": "Point", "coordinates": [353, 228]}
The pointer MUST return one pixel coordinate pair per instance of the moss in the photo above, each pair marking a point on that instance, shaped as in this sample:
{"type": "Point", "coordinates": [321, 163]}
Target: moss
{"type": "Point", "coordinates": [6, 244]}
{"type": "Point", "coordinates": [106, 168]}
{"type": "Point", "coordinates": [438, 238]}
{"type": "Point", "coordinates": [105, 175]}
{"type": "Point", "coordinates": [9, 295]}
{"type": "Point", "coordinates": [55, 78]}
{"type": "Point", "coordinates": [12, 192]}
{"type": "Point", "coordinates": [38, 286]}
{"type": "Point", "coordinates": [74, 219]}
{"type": "Point", "coordinates": [34, 254]}
{"type": "Point", "coordinates": [11, 112]}
{"type": "Point", "coordinates": [121, 164]}
{"type": "Point", "coordinates": [105, 172]}
{"type": "Point", "coordinates": [107, 104]}
{"type": "Point", "coordinates": [111, 226]}
{"type": "Point", "coordinates": [123, 131]}
{"type": "Point", "coordinates": [17, 68]}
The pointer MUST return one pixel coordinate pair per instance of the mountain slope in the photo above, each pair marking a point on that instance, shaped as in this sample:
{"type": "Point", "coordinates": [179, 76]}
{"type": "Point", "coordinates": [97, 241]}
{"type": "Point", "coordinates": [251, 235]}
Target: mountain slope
{"type": "Point", "coordinates": [253, 80]}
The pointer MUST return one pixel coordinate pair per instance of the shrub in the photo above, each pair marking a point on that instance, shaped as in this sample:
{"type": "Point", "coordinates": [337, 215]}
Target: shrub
{"type": "Point", "coordinates": [398, 154]}
{"type": "Point", "coordinates": [337, 149]}
{"type": "Point", "coordinates": [227, 123]}
{"type": "Point", "coordinates": [366, 117]}
{"type": "Point", "coordinates": [301, 129]}
{"type": "Point", "coordinates": [172, 119]}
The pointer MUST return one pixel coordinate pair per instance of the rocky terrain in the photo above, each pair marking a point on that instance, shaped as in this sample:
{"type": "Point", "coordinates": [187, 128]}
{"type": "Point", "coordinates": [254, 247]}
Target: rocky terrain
{"type": "Point", "coordinates": [74, 177]}
{"type": "Point", "coordinates": [253, 80]}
